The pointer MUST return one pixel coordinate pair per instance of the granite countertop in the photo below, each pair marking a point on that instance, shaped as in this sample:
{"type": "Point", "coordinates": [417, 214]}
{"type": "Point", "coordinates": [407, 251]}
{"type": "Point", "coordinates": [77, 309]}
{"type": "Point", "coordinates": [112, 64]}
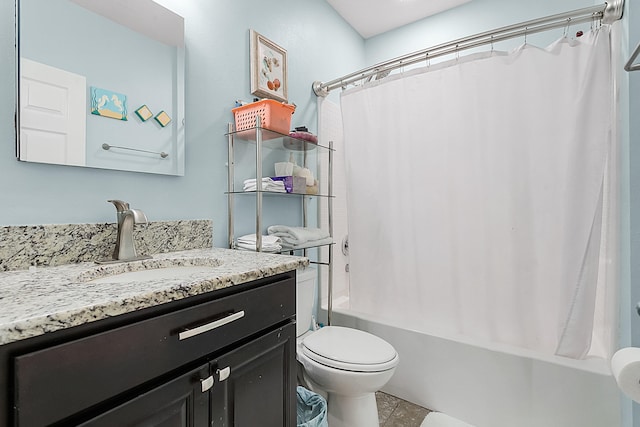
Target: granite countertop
{"type": "Point", "coordinates": [36, 301]}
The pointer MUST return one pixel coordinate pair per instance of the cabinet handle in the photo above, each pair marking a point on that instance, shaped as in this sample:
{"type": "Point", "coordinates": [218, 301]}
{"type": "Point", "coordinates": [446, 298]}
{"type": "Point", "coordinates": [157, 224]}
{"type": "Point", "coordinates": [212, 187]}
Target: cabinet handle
{"type": "Point", "coordinates": [206, 383]}
{"type": "Point", "coordinates": [209, 326]}
{"type": "Point", "coordinates": [223, 374]}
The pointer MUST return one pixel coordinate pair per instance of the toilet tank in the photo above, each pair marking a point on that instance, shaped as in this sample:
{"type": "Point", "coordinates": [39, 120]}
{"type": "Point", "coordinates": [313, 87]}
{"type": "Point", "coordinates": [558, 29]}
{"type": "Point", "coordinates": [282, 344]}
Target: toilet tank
{"type": "Point", "coordinates": [305, 298]}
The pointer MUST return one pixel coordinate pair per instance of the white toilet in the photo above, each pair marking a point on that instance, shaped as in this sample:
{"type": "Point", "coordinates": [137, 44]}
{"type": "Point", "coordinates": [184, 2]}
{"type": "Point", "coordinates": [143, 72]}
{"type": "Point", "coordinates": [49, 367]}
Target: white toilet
{"type": "Point", "coordinates": [346, 365]}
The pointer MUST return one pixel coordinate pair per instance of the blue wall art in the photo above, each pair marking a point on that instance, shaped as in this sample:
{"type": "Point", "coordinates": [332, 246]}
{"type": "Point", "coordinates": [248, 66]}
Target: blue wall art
{"type": "Point", "coordinates": [107, 103]}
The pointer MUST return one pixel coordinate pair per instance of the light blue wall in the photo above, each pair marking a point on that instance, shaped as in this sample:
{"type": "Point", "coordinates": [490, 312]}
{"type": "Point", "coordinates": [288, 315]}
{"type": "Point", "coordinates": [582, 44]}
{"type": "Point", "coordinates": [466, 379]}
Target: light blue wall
{"type": "Point", "coordinates": [320, 45]}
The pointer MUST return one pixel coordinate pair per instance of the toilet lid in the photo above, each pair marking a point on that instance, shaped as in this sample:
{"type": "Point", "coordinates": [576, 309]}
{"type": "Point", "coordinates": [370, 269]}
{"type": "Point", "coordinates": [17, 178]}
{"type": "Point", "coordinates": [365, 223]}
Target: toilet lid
{"type": "Point", "coordinates": [349, 349]}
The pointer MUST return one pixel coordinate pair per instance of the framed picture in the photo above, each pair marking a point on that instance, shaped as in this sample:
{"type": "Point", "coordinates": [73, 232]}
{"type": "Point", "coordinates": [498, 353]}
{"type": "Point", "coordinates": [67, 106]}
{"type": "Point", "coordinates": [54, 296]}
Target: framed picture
{"type": "Point", "coordinates": [107, 103]}
{"type": "Point", "coordinates": [268, 68]}
{"type": "Point", "coordinates": [144, 113]}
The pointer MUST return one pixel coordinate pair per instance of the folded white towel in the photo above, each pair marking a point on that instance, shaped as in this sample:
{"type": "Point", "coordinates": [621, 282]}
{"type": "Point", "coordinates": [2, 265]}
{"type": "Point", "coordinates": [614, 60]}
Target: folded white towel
{"type": "Point", "coordinates": [297, 235]}
{"type": "Point", "coordinates": [309, 244]}
{"type": "Point", "coordinates": [267, 185]}
{"type": "Point", "coordinates": [253, 180]}
{"type": "Point", "coordinates": [252, 238]}
{"type": "Point", "coordinates": [269, 243]}
{"type": "Point", "coordinates": [269, 249]}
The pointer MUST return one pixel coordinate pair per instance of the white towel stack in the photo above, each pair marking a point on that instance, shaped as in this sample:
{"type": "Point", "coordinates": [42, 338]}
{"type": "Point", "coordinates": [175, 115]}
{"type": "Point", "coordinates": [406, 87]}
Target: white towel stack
{"type": "Point", "coordinates": [299, 237]}
{"type": "Point", "coordinates": [269, 243]}
{"type": "Point", "coordinates": [267, 185]}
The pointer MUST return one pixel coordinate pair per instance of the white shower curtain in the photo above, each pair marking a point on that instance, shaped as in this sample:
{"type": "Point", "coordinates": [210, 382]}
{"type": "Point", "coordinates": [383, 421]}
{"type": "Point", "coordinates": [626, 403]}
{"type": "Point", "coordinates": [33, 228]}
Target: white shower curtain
{"type": "Point", "coordinates": [475, 193]}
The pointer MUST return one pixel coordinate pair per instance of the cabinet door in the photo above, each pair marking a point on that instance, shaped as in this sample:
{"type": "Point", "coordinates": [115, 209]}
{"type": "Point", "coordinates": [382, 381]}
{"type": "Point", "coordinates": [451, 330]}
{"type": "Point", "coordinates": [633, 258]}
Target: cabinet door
{"type": "Point", "coordinates": [180, 402]}
{"type": "Point", "coordinates": [255, 384]}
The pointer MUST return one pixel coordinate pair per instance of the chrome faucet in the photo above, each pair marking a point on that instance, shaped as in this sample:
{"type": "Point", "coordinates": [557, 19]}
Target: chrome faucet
{"type": "Point", "coordinates": [125, 249]}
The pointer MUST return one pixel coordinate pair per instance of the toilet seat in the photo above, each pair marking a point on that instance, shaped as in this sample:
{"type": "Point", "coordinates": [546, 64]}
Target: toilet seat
{"type": "Point", "coordinates": [349, 349]}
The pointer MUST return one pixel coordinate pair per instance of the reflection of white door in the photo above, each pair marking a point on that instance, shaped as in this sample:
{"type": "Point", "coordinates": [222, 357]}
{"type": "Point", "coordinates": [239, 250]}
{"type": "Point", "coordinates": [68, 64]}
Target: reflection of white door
{"type": "Point", "coordinates": [52, 114]}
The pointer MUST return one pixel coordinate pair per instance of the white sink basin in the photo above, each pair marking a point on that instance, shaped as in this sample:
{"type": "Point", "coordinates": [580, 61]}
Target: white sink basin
{"type": "Point", "coordinates": [155, 274]}
{"type": "Point", "coordinates": [151, 269]}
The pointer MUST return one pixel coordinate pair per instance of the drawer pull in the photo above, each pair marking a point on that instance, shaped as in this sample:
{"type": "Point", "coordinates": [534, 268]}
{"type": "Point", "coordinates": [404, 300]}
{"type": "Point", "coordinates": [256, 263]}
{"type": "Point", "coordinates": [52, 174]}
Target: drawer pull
{"type": "Point", "coordinates": [207, 383]}
{"type": "Point", "coordinates": [223, 374]}
{"type": "Point", "coordinates": [209, 326]}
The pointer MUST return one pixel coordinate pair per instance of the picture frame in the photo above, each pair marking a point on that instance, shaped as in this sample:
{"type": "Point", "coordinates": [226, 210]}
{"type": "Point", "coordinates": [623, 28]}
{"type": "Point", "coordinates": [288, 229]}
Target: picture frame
{"type": "Point", "coordinates": [107, 103]}
{"type": "Point", "coordinates": [144, 113]}
{"type": "Point", "coordinates": [268, 68]}
{"type": "Point", "coordinates": [162, 118]}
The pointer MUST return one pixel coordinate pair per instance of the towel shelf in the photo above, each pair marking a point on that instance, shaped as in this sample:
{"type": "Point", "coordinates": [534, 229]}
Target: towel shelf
{"type": "Point", "coordinates": [267, 144]}
{"type": "Point", "coordinates": [278, 193]}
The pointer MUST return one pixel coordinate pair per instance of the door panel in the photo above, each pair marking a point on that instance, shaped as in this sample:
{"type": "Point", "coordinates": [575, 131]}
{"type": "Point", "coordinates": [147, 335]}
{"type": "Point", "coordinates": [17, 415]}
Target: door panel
{"type": "Point", "coordinates": [260, 388]}
{"type": "Point", "coordinates": [177, 403]}
{"type": "Point", "coordinates": [53, 109]}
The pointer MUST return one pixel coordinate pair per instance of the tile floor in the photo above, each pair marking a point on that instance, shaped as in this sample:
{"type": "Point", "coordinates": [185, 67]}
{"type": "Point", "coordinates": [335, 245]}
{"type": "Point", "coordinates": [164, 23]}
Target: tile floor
{"type": "Point", "coordinates": [395, 412]}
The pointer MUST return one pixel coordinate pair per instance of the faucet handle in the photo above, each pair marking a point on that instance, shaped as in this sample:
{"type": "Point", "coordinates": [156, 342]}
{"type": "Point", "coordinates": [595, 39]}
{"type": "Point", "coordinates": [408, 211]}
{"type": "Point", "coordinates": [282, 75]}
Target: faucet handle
{"type": "Point", "coordinates": [120, 205]}
{"type": "Point", "coordinates": [139, 217]}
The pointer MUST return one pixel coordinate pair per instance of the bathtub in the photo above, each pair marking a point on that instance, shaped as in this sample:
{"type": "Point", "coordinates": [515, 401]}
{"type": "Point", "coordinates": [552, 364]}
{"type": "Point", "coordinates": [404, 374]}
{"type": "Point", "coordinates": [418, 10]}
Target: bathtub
{"type": "Point", "coordinates": [494, 385]}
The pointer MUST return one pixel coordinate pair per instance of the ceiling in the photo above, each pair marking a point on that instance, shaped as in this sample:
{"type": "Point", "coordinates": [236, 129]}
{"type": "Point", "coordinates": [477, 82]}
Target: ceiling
{"type": "Point", "coordinates": [373, 17]}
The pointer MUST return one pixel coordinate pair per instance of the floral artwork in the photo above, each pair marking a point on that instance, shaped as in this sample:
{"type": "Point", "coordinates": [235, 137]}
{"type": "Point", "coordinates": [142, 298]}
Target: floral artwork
{"type": "Point", "coordinates": [107, 103]}
{"type": "Point", "coordinates": [268, 68]}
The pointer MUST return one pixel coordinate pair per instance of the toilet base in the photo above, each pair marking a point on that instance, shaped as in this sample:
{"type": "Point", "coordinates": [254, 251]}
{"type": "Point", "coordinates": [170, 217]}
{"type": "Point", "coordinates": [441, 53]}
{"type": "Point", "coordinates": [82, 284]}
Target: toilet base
{"type": "Point", "coordinates": [352, 411]}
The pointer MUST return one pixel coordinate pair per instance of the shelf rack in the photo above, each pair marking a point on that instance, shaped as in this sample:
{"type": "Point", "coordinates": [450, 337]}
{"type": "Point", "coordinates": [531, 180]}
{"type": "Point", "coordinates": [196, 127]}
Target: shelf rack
{"type": "Point", "coordinates": [265, 138]}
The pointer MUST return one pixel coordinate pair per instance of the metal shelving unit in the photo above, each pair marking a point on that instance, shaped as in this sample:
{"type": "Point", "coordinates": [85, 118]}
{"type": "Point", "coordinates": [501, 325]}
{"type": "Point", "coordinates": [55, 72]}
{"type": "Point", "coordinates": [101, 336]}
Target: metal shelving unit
{"type": "Point", "coordinates": [267, 140]}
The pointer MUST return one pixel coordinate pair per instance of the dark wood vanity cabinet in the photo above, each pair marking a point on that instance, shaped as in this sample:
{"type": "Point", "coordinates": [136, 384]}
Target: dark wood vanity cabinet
{"type": "Point", "coordinates": [226, 358]}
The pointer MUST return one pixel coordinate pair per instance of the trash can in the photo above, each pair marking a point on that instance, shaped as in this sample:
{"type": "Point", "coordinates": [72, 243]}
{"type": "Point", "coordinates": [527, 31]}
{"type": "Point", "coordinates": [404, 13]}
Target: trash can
{"type": "Point", "coordinates": [311, 408]}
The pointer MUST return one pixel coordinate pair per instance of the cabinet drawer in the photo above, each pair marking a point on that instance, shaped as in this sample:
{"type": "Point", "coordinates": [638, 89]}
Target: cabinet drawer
{"type": "Point", "coordinates": [57, 382]}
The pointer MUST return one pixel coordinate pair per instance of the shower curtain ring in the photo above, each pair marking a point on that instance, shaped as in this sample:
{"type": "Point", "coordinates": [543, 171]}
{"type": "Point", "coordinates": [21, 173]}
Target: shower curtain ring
{"type": "Point", "coordinates": [566, 29]}
{"type": "Point", "coordinates": [596, 21]}
{"type": "Point", "coordinates": [525, 34]}
{"type": "Point", "coordinates": [491, 44]}
{"type": "Point", "coordinates": [457, 52]}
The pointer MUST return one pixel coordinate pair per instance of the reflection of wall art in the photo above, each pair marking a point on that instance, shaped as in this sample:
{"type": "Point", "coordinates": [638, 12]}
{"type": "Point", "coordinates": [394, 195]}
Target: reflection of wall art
{"type": "Point", "coordinates": [107, 103]}
{"type": "Point", "coordinates": [162, 118]}
{"type": "Point", "coordinates": [268, 68]}
{"type": "Point", "coordinates": [144, 113]}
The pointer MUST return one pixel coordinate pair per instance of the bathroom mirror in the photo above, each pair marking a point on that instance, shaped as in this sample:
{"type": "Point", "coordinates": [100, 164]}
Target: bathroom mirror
{"type": "Point", "coordinates": [101, 84]}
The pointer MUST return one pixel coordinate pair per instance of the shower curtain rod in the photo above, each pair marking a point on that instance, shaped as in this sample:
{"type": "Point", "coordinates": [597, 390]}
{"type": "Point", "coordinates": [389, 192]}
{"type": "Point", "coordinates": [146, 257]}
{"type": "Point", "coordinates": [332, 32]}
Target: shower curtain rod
{"type": "Point", "coordinates": [609, 12]}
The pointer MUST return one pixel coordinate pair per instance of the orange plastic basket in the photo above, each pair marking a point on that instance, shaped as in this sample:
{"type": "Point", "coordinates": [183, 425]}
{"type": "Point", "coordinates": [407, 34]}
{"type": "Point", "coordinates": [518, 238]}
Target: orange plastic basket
{"type": "Point", "coordinates": [274, 115]}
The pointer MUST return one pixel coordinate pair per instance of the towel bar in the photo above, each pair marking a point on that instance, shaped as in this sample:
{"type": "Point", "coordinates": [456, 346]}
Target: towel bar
{"type": "Point", "coordinates": [162, 154]}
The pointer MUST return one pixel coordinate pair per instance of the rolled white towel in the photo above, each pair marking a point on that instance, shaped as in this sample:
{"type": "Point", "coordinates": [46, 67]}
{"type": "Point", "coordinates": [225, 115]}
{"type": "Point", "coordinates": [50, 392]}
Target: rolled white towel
{"type": "Point", "coordinates": [297, 235]}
